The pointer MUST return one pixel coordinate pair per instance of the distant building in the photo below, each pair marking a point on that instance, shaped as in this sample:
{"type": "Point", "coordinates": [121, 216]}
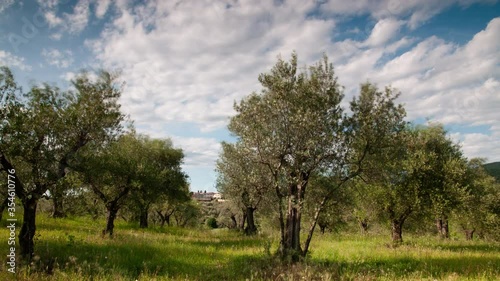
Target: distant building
{"type": "Point", "coordinates": [204, 196]}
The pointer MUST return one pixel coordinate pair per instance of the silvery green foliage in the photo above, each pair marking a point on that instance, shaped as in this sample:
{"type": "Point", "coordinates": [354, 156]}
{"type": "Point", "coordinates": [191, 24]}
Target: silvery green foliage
{"type": "Point", "coordinates": [296, 128]}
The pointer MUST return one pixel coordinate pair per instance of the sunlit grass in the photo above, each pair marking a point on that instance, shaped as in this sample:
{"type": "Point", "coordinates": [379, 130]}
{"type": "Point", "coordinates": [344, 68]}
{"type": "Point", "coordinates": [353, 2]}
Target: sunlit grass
{"type": "Point", "coordinates": [73, 249]}
{"type": "Point", "coordinates": [358, 257]}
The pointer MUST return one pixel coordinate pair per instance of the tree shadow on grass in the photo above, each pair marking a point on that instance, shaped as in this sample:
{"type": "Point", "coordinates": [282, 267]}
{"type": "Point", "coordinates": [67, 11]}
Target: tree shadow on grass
{"type": "Point", "coordinates": [230, 243]}
{"type": "Point", "coordinates": [399, 268]}
{"type": "Point", "coordinates": [190, 260]}
{"type": "Point", "coordinates": [484, 248]}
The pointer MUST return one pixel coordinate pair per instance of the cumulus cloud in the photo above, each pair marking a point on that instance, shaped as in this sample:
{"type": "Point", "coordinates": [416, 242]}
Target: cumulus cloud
{"type": "Point", "coordinates": [199, 152]}
{"type": "Point", "coordinates": [101, 7]}
{"type": "Point", "coordinates": [74, 22]}
{"type": "Point", "coordinates": [68, 76]}
{"type": "Point", "coordinates": [181, 69]}
{"type": "Point", "coordinates": [52, 19]}
{"type": "Point", "coordinates": [481, 145]}
{"type": "Point", "coordinates": [384, 31]}
{"type": "Point", "coordinates": [455, 85]}
{"type": "Point", "coordinates": [60, 59]}
{"type": "Point", "coordinates": [11, 60]}
{"type": "Point", "coordinates": [50, 4]}
{"type": "Point", "coordinates": [415, 12]}
{"type": "Point", "coordinates": [4, 4]}
{"type": "Point", "coordinates": [79, 18]}
{"type": "Point", "coordinates": [191, 69]}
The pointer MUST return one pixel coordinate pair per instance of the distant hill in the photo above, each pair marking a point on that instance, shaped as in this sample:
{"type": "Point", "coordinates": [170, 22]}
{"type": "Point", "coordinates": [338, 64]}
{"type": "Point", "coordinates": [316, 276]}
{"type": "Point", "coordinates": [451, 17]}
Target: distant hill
{"type": "Point", "coordinates": [493, 169]}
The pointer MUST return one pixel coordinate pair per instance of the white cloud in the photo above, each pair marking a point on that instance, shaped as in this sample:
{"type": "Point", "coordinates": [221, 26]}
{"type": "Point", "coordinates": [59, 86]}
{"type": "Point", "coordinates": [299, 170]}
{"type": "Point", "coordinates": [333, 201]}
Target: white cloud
{"type": "Point", "coordinates": [455, 85]}
{"type": "Point", "coordinates": [481, 145]}
{"type": "Point", "coordinates": [49, 4]}
{"type": "Point", "coordinates": [101, 7]}
{"type": "Point", "coordinates": [52, 19]}
{"type": "Point", "coordinates": [60, 59]}
{"type": "Point", "coordinates": [56, 36]}
{"type": "Point", "coordinates": [181, 69]}
{"type": "Point", "coordinates": [191, 69]}
{"type": "Point", "coordinates": [415, 11]}
{"type": "Point", "coordinates": [73, 23]}
{"type": "Point", "coordinates": [77, 21]}
{"type": "Point", "coordinates": [11, 60]}
{"type": "Point", "coordinates": [68, 76]}
{"type": "Point", "coordinates": [383, 31]}
{"type": "Point", "coordinates": [199, 152]}
{"type": "Point", "coordinates": [4, 4]}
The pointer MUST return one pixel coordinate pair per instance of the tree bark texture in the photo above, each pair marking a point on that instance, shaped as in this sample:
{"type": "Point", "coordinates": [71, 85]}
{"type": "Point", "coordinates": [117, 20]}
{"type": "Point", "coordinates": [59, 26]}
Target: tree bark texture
{"type": "Point", "coordinates": [250, 229]}
{"type": "Point", "coordinates": [57, 204]}
{"type": "Point", "coordinates": [143, 218]}
{"type": "Point", "coordinates": [28, 228]}
{"type": "Point", "coordinates": [442, 227]}
{"type": "Point", "coordinates": [469, 234]}
{"type": "Point", "coordinates": [112, 208]}
{"type": "Point", "coordinates": [397, 231]}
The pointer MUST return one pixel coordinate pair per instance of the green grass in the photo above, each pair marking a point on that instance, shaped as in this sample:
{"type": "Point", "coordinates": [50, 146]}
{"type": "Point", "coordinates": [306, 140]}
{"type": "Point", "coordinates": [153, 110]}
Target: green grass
{"type": "Point", "coordinates": [72, 249]}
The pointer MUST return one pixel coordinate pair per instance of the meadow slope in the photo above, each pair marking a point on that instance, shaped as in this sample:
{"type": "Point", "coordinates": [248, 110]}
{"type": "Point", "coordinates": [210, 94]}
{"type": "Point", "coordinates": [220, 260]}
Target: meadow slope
{"type": "Point", "coordinates": [73, 249]}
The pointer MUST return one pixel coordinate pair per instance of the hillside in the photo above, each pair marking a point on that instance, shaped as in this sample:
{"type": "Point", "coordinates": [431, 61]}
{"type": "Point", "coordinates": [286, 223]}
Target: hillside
{"type": "Point", "coordinates": [493, 169]}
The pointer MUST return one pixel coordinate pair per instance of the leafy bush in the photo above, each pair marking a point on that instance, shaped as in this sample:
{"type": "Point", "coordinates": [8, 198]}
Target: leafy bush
{"type": "Point", "coordinates": [211, 222]}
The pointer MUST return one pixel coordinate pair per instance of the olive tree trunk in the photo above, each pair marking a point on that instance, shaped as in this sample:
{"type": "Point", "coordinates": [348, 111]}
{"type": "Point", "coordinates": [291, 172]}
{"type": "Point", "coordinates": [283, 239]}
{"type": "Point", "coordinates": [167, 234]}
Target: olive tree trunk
{"type": "Point", "coordinates": [291, 247]}
{"type": "Point", "coordinates": [58, 208]}
{"type": "Point", "coordinates": [397, 231]}
{"type": "Point", "coordinates": [28, 228]}
{"type": "Point", "coordinates": [112, 208]}
{"type": "Point", "coordinates": [442, 227]}
{"type": "Point", "coordinates": [250, 229]}
{"type": "Point", "coordinates": [143, 219]}
{"type": "Point", "coordinates": [469, 234]}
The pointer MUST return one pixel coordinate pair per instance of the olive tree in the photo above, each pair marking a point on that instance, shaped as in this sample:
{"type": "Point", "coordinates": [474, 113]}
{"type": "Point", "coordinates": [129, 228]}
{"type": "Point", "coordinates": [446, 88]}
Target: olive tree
{"type": "Point", "coordinates": [445, 180]}
{"type": "Point", "coordinates": [44, 129]}
{"type": "Point", "coordinates": [415, 172]}
{"type": "Point", "coordinates": [296, 127]}
{"type": "Point", "coordinates": [479, 207]}
{"type": "Point", "coordinates": [162, 179]}
{"type": "Point", "coordinates": [243, 182]}
{"type": "Point", "coordinates": [133, 167]}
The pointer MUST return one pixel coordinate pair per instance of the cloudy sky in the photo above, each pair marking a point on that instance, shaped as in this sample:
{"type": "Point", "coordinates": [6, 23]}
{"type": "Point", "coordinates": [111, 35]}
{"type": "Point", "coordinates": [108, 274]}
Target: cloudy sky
{"type": "Point", "coordinates": [186, 62]}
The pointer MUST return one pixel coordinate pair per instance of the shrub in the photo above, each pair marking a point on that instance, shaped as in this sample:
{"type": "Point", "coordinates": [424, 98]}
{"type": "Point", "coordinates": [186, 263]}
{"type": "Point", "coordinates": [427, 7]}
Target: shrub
{"type": "Point", "coordinates": [211, 222]}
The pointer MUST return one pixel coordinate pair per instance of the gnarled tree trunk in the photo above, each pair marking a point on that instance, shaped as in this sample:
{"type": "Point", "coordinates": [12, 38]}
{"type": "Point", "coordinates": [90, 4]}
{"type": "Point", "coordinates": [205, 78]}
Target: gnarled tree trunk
{"type": "Point", "coordinates": [243, 219]}
{"type": "Point", "coordinates": [250, 229]}
{"type": "Point", "coordinates": [469, 234]}
{"type": "Point", "coordinates": [143, 215]}
{"type": "Point", "coordinates": [57, 204]}
{"type": "Point", "coordinates": [397, 224]}
{"type": "Point", "coordinates": [112, 208]}
{"type": "Point", "coordinates": [143, 218]}
{"type": "Point", "coordinates": [363, 224]}
{"type": "Point", "coordinates": [28, 227]}
{"type": "Point", "coordinates": [322, 227]}
{"type": "Point", "coordinates": [397, 231]}
{"type": "Point", "coordinates": [165, 218]}
{"type": "Point", "coordinates": [234, 223]}
{"type": "Point", "coordinates": [292, 248]}
{"type": "Point", "coordinates": [442, 227]}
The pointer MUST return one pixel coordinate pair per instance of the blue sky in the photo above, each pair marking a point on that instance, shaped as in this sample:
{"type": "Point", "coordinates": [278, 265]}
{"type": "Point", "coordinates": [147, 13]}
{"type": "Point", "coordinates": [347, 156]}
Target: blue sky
{"type": "Point", "coordinates": [186, 62]}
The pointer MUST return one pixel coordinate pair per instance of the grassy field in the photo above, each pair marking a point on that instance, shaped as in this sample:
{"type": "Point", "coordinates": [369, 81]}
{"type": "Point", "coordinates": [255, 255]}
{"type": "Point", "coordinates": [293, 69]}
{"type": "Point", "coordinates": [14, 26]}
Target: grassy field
{"type": "Point", "coordinates": [72, 249]}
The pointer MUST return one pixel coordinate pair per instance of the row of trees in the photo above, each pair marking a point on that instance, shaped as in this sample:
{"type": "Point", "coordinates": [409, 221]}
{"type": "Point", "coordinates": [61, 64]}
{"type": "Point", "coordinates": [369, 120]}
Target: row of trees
{"type": "Point", "coordinates": [295, 137]}
{"type": "Point", "coordinates": [69, 144]}
{"type": "Point", "coordinates": [300, 157]}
